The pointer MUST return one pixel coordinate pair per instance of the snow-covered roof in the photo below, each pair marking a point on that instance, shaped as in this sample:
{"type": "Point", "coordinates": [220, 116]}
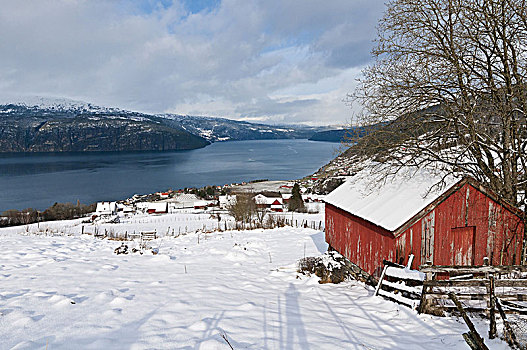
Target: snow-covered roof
{"type": "Point", "coordinates": [158, 206]}
{"type": "Point", "coordinates": [227, 200]}
{"type": "Point", "coordinates": [261, 199]}
{"type": "Point", "coordinates": [186, 198]}
{"type": "Point", "coordinates": [392, 204]}
{"type": "Point", "coordinates": [106, 207]}
{"type": "Point", "coordinates": [124, 207]}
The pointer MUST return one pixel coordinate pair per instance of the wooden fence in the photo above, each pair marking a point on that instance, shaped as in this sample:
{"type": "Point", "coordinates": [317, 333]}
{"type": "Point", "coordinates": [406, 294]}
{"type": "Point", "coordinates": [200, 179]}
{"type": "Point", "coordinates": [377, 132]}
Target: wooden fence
{"type": "Point", "coordinates": [487, 289]}
{"type": "Point", "coordinates": [315, 225]}
{"type": "Point", "coordinates": [401, 284]}
{"type": "Point", "coordinates": [473, 286]}
{"type": "Point", "coordinates": [493, 290]}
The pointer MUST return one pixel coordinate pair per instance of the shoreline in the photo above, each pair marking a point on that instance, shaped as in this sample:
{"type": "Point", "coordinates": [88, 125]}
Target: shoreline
{"type": "Point", "coordinates": [41, 180]}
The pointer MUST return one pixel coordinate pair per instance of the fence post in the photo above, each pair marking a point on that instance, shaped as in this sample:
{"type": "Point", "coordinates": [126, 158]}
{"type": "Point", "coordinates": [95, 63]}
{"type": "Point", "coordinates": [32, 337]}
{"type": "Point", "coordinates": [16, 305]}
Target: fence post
{"type": "Point", "coordinates": [510, 337]}
{"type": "Point", "coordinates": [380, 280]}
{"type": "Point", "coordinates": [492, 312]}
{"type": "Point", "coordinates": [423, 304]}
{"type": "Point", "coordinates": [473, 332]}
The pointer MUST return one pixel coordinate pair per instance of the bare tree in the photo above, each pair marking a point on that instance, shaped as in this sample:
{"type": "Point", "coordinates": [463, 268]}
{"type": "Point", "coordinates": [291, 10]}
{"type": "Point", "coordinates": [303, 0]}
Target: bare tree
{"type": "Point", "coordinates": [260, 213]}
{"type": "Point", "coordinates": [243, 209]}
{"type": "Point", "coordinates": [448, 88]}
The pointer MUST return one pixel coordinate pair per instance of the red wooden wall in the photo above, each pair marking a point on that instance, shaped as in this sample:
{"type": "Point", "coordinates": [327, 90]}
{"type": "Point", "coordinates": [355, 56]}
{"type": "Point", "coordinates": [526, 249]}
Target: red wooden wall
{"type": "Point", "coordinates": [468, 226]}
{"type": "Point", "coordinates": [362, 242]}
{"type": "Point", "coordinates": [462, 230]}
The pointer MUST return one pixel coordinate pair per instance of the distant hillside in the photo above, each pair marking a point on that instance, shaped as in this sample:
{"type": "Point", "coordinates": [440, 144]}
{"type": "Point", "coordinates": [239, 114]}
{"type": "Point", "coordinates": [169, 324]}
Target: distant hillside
{"type": "Point", "coordinates": [341, 135]}
{"type": "Point", "coordinates": [58, 125]}
{"type": "Point", "coordinates": [390, 135]}
{"type": "Point", "coordinates": [330, 135]}
{"type": "Point", "coordinates": [221, 129]}
{"type": "Point", "coordinates": [55, 129]}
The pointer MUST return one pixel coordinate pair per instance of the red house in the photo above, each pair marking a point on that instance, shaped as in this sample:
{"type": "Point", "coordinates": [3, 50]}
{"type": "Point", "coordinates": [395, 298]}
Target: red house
{"type": "Point", "coordinates": [459, 225]}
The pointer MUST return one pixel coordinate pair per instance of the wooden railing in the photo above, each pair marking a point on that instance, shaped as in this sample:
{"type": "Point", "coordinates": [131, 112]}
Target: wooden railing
{"type": "Point", "coordinates": [471, 284]}
{"type": "Point", "coordinates": [486, 288]}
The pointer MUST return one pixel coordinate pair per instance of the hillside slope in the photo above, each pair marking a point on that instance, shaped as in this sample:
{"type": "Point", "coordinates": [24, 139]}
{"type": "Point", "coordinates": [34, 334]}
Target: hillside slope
{"type": "Point", "coordinates": [221, 129]}
{"type": "Point", "coordinates": [59, 125]}
{"type": "Point", "coordinates": [36, 129]}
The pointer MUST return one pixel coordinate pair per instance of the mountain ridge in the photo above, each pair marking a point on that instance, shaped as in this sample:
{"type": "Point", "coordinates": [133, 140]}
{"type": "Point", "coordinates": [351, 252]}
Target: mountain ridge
{"type": "Point", "coordinates": [60, 125]}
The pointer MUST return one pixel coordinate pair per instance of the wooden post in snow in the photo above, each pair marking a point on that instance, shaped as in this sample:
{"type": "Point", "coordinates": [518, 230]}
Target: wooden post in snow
{"type": "Point", "coordinates": [476, 338]}
{"type": "Point", "coordinates": [510, 337]}
{"type": "Point", "coordinates": [410, 261]}
{"type": "Point", "coordinates": [492, 312]}
{"type": "Point", "coordinates": [380, 280]}
{"type": "Point", "coordinates": [423, 304]}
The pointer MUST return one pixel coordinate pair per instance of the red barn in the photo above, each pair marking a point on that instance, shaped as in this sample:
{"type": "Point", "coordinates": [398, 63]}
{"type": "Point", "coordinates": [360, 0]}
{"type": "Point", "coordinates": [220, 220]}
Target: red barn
{"type": "Point", "coordinates": [457, 226]}
{"type": "Point", "coordinates": [157, 208]}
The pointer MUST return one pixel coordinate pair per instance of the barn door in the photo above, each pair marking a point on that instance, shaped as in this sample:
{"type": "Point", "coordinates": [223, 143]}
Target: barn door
{"type": "Point", "coordinates": [463, 247]}
{"type": "Point", "coordinates": [427, 238]}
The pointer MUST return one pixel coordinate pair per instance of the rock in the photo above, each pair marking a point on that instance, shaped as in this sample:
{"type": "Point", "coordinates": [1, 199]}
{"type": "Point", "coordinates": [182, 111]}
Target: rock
{"type": "Point", "coordinates": [122, 249]}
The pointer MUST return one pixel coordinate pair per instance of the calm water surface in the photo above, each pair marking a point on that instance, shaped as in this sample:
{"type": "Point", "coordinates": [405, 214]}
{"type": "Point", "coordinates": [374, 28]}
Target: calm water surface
{"type": "Point", "coordinates": [39, 180]}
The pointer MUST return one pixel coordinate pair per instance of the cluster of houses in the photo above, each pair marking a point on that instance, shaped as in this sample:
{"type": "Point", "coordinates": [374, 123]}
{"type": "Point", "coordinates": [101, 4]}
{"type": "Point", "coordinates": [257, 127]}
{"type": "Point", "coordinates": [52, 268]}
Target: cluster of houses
{"type": "Point", "coordinates": [460, 223]}
{"type": "Point", "coordinates": [171, 202]}
{"type": "Point", "coordinates": [279, 202]}
{"type": "Point", "coordinates": [164, 206]}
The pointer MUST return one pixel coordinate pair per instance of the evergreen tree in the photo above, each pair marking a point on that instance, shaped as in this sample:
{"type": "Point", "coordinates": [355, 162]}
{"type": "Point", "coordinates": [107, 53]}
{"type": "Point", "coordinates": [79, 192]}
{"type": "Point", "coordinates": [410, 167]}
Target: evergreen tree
{"type": "Point", "coordinates": [295, 202]}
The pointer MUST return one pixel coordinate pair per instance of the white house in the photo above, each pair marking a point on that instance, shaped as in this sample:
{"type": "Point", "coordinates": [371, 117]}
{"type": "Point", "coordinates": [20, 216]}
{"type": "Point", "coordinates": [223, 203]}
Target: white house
{"type": "Point", "coordinates": [124, 208]}
{"type": "Point", "coordinates": [163, 195]}
{"type": "Point", "coordinates": [226, 201]}
{"type": "Point", "coordinates": [184, 200]}
{"type": "Point", "coordinates": [106, 208]}
{"type": "Point", "coordinates": [201, 205]}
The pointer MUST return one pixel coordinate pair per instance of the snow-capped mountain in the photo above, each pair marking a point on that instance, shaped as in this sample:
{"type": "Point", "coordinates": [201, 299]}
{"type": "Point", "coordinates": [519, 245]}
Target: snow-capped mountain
{"type": "Point", "coordinates": [41, 124]}
{"type": "Point", "coordinates": [216, 129]}
{"type": "Point", "coordinates": [54, 103]}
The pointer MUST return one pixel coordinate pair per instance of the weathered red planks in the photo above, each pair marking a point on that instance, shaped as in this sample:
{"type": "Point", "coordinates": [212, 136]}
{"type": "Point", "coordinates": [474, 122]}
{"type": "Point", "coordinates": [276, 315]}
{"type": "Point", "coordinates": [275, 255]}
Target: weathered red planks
{"type": "Point", "coordinates": [362, 242]}
{"type": "Point", "coordinates": [460, 229]}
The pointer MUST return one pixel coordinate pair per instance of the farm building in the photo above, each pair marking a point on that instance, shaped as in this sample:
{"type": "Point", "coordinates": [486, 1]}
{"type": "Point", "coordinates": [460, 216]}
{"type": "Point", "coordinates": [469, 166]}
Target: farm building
{"type": "Point", "coordinates": [273, 203]}
{"type": "Point", "coordinates": [201, 205]}
{"type": "Point", "coordinates": [286, 197]}
{"type": "Point", "coordinates": [106, 208]}
{"type": "Point", "coordinates": [457, 225]}
{"type": "Point", "coordinates": [157, 208]}
{"type": "Point", "coordinates": [124, 208]}
{"type": "Point", "coordinates": [226, 201]}
{"type": "Point", "coordinates": [277, 205]}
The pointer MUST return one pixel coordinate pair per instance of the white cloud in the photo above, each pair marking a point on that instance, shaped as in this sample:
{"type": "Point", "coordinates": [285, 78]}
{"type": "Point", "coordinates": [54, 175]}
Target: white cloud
{"type": "Point", "coordinates": [279, 61]}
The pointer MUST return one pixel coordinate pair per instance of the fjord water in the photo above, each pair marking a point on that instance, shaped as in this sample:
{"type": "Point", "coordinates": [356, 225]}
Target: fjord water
{"type": "Point", "coordinates": [39, 180]}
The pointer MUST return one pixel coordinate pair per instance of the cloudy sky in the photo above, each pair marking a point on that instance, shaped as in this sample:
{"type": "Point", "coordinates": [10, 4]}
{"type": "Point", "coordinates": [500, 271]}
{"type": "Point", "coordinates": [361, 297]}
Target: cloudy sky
{"type": "Point", "coordinates": [277, 61]}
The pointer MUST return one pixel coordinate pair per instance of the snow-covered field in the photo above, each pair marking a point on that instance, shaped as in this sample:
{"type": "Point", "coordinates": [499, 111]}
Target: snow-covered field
{"type": "Point", "coordinates": [73, 292]}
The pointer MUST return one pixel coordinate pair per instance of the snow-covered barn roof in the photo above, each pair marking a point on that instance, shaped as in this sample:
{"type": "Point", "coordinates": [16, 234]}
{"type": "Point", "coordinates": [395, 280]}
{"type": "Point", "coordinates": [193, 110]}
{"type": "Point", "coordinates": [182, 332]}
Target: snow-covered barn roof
{"type": "Point", "coordinates": [158, 206]}
{"type": "Point", "coordinates": [186, 197]}
{"type": "Point", "coordinates": [261, 199]}
{"type": "Point", "coordinates": [392, 204]}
